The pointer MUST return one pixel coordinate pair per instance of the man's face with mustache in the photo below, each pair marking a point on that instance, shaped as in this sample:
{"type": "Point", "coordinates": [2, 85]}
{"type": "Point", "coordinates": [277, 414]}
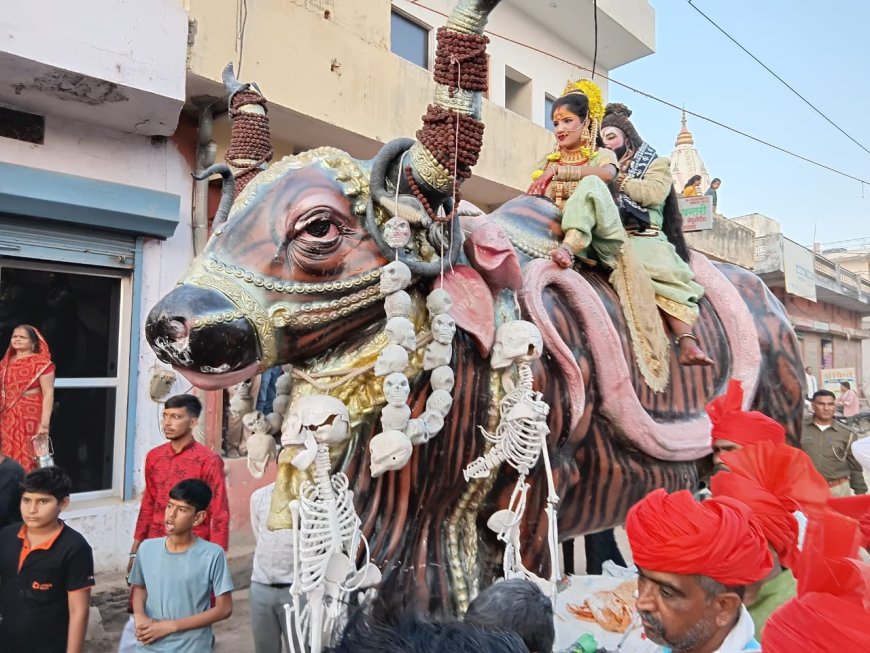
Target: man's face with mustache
{"type": "Point", "coordinates": [721, 446]}
{"type": "Point", "coordinates": [676, 611]}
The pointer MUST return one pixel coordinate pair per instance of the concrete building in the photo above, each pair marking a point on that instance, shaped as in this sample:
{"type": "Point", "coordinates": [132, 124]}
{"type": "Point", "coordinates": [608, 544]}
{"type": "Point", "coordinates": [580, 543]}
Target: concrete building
{"type": "Point", "coordinates": [96, 201]}
{"type": "Point", "coordinates": [95, 198]}
{"type": "Point", "coordinates": [826, 302]}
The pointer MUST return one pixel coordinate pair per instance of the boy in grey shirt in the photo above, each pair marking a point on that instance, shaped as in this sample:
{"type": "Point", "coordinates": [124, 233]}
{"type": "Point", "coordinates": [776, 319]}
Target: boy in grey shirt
{"type": "Point", "coordinates": [174, 578]}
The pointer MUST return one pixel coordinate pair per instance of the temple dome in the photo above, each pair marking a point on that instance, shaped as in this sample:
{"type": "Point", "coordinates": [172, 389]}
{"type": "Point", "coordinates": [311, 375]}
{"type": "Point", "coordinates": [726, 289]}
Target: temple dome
{"type": "Point", "coordinates": [686, 161]}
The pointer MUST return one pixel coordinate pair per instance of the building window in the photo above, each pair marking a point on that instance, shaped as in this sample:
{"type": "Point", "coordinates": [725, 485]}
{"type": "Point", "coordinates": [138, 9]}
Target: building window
{"type": "Point", "coordinates": [82, 312]}
{"type": "Point", "coordinates": [827, 354]}
{"type": "Point", "coordinates": [409, 39]}
{"type": "Point", "coordinates": [517, 92]}
{"type": "Point", "coordinates": [548, 112]}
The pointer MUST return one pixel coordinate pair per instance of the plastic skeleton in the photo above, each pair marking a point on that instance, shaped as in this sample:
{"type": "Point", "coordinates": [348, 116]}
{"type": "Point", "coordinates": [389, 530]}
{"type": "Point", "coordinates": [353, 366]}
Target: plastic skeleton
{"type": "Point", "coordinates": [326, 528]}
{"type": "Point", "coordinates": [519, 440]}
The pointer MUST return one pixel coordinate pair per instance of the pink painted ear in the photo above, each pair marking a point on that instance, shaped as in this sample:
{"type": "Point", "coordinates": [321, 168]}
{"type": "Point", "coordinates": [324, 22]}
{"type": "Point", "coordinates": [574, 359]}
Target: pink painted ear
{"type": "Point", "coordinates": [491, 253]}
{"type": "Point", "coordinates": [473, 307]}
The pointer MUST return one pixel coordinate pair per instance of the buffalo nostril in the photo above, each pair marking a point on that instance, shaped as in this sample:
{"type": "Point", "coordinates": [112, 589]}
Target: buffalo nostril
{"type": "Point", "coordinates": [177, 328]}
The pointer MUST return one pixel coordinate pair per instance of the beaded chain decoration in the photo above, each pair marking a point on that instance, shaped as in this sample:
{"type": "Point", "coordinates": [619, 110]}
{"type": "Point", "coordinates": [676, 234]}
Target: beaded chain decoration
{"type": "Point", "coordinates": [250, 144]}
{"type": "Point", "coordinates": [453, 137]}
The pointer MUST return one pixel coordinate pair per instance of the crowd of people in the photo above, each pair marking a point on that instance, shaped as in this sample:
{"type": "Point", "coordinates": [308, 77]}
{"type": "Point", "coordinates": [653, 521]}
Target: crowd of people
{"type": "Point", "coordinates": [771, 557]}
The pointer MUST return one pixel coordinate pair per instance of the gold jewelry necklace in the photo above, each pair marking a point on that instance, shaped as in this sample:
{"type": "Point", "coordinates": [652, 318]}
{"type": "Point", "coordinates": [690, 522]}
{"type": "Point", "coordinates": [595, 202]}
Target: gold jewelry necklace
{"type": "Point", "coordinates": [573, 157]}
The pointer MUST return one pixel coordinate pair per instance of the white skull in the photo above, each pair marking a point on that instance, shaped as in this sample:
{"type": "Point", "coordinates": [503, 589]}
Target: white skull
{"type": "Point", "coordinates": [396, 389]}
{"type": "Point", "coordinates": [442, 378]}
{"type": "Point", "coordinates": [280, 404]}
{"type": "Point", "coordinates": [416, 431]}
{"type": "Point", "coordinates": [255, 422]}
{"type": "Point", "coordinates": [395, 417]}
{"type": "Point", "coordinates": [283, 384]}
{"type": "Point", "coordinates": [437, 354]}
{"type": "Point", "coordinates": [440, 402]}
{"type": "Point", "coordinates": [395, 276]}
{"type": "Point", "coordinates": [322, 417]}
{"type": "Point", "coordinates": [516, 341]}
{"type": "Point", "coordinates": [393, 358]}
{"type": "Point", "coordinates": [275, 420]}
{"type": "Point", "coordinates": [261, 450]}
{"type": "Point", "coordinates": [434, 422]}
{"type": "Point", "coordinates": [439, 301]}
{"type": "Point", "coordinates": [400, 331]}
{"type": "Point", "coordinates": [443, 328]}
{"type": "Point", "coordinates": [397, 232]}
{"type": "Point", "coordinates": [398, 304]}
{"type": "Point", "coordinates": [241, 401]}
{"type": "Point", "coordinates": [390, 451]}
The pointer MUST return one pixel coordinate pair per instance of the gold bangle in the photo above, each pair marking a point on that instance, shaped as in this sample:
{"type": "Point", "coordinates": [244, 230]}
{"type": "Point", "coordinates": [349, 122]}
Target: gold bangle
{"type": "Point", "coordinates": [573, 240]}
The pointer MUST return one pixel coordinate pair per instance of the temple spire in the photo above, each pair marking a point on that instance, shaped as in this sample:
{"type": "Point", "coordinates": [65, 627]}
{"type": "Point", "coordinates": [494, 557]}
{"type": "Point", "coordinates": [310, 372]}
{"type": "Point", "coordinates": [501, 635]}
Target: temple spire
{"type": "Point", "coordinates": [686, 160]}
{"type": "Point", "coordinates": [685, 136]}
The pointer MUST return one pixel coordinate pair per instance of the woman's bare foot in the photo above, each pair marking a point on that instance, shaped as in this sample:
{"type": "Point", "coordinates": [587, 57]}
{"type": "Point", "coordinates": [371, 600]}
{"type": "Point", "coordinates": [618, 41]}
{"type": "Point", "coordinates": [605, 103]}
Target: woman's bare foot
{"type": "Point", "coordinates": [692, 354]}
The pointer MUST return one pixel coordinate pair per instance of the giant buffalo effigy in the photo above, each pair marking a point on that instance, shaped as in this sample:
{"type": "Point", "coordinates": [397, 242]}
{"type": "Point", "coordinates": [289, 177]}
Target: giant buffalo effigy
{"type": "Point", "coordinates": [296, 273]}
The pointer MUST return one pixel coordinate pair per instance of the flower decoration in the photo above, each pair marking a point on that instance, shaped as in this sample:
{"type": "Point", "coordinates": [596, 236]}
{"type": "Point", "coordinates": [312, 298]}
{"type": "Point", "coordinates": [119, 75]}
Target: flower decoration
{"type": "Point", "coordinates": [554, 156]}
{"type": "Point", "coordinates": [537, 174]}
{"type": "Point", "coordinates": [590, 89]}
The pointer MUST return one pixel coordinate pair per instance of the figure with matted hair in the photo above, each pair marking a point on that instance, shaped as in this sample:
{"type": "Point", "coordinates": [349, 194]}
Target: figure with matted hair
{"type": "Point", "coordinates": [647, 203]}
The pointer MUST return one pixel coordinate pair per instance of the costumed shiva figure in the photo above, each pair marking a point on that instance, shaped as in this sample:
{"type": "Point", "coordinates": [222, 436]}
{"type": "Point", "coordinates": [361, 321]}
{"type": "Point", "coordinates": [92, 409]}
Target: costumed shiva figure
{"type": "Point", "coordinates": [26, 394]}
{"type": "Point", "coordinates": [575, 177]}
{"type": "Point", "coordinates": [644, 193]}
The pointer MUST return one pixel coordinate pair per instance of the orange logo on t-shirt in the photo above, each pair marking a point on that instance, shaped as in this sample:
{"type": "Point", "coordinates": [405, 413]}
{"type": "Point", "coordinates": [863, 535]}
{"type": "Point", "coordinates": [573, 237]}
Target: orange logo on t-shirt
{"type": "Point", "coordinates": [42, 586]}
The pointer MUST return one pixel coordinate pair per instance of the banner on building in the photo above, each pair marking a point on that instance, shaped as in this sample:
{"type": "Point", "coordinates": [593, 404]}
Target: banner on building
{"type": "Point", "coordinates": [831, 379]}
{"type": "Point", "coordinates": [798, 264]}
{"type": "Point", "coordinates": [697, 212]}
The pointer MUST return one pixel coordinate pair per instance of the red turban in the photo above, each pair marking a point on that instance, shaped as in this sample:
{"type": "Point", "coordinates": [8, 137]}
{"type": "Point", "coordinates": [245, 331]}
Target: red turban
{"type": "Point", "coordinates": [774, 480]}
{"type": "Point", "coordinates": [718, 538]}
{"type": "Point", "coordinates": [774, 514]}
{"type": "Point", "coordinates": [731, 422]}
{"type": "Point", "coordinates": [857, 507]}
{"type": "Point", "coordinates": [830, 613]}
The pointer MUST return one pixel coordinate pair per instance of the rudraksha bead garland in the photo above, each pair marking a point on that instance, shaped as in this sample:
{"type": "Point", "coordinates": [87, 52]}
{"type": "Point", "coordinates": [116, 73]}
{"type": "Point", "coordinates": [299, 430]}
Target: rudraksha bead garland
{"type": "Point", "coordinates": [469, 50]}
{"type": "Point", "coordinates": [250, 144]}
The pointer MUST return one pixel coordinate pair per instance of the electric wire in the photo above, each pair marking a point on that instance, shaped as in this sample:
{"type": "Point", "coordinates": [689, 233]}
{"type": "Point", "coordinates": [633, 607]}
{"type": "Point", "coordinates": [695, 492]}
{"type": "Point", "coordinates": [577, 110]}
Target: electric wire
{"type": "Point", "coordinates": [784, 83]}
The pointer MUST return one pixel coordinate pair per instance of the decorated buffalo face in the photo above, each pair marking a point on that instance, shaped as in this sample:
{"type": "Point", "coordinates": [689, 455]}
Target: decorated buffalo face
{"type": "Point", "coordinates": [293, 258]}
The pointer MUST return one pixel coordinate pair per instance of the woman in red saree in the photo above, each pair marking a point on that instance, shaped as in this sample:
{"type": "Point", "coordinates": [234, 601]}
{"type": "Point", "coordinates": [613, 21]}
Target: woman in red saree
{"type": "Point", "coordinates": [26, 394]}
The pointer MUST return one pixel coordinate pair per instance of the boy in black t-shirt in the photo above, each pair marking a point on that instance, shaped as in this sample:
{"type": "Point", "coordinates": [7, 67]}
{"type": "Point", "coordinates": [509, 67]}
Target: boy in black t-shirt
{"type": "Point", "coordinates": [46, 572]}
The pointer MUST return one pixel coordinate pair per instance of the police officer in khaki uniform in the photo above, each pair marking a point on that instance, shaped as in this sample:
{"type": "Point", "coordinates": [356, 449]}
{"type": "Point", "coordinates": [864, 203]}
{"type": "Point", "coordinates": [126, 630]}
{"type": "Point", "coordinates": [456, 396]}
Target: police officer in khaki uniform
{"type": "Point", "coordinates": [829, 444]}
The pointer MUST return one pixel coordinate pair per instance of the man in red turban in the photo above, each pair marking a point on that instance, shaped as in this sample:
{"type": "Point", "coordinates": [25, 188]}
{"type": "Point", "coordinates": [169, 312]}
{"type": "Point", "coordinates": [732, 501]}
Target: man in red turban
{"type": "Point", "coordinates": [776, 481]}
{"type": "Point", "coordinates": [694, 562]}
{"type": "Point", "coordinates": [831, 613]}
{"type": "Point", "coordinates": [733, 427]}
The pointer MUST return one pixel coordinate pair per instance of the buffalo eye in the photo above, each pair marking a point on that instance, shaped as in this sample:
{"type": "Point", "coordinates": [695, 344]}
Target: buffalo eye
{"type": "Point", "coordinates": [316, 233]}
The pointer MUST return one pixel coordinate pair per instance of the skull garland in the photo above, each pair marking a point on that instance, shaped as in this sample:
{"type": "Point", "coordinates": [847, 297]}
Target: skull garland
{"type": "Point", "coordinates": [391, 449]}
{"type": "Point", "coordinates": [520, 440]}
{"type": "Point", "coordinates": [326, 528]}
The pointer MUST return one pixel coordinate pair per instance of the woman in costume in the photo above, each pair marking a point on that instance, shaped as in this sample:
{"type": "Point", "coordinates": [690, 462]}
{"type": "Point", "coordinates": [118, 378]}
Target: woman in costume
{"type": "Point", "coordinates": [26, 394]}
{"type": "Point", "coordinates": [692, 187]}
{"type": "Point", "coordinates": [647, 203]}
{"type": "Point", "coordinates": [578, 163]}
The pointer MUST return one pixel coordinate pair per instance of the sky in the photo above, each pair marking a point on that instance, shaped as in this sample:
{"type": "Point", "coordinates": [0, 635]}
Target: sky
{"type": "Point", "coordinates": [820, 49]}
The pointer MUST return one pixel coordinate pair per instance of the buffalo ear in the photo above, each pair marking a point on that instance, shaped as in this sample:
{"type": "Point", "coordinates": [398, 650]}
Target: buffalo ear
{"type": "Point", "coordinates": [473, 307]}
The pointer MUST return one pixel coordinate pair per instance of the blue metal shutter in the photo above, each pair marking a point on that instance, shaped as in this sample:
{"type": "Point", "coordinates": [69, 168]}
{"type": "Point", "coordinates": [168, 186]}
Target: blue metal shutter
{"type": "Point", "coordinates": [51, 240]}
